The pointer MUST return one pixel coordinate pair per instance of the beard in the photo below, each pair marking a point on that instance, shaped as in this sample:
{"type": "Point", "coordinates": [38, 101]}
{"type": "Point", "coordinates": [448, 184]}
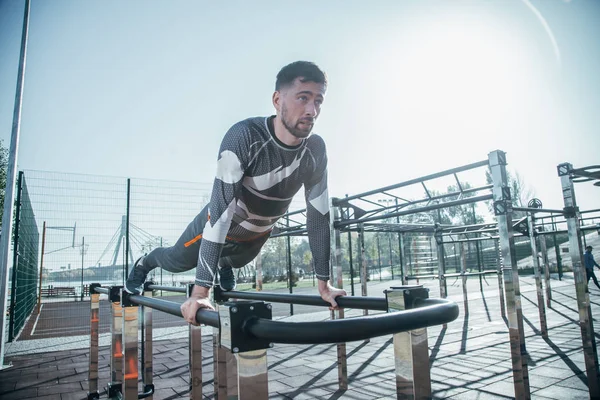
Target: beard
{"type": "Point", "coordinates": [300, 129]}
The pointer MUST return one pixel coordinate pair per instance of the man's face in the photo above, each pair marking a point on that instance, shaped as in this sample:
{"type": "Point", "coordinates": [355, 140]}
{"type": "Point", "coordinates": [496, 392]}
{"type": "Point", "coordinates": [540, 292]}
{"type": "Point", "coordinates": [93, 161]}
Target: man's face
{"type": "Point", "coordinates": [298, 105]}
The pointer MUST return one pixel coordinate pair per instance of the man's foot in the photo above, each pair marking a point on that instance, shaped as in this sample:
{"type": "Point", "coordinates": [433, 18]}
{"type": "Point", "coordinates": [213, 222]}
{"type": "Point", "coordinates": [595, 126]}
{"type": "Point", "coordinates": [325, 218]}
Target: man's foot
{"type": "Point", "coordinates": [226, 278]}
{"type": "Point", "coordinates": [137, 277]}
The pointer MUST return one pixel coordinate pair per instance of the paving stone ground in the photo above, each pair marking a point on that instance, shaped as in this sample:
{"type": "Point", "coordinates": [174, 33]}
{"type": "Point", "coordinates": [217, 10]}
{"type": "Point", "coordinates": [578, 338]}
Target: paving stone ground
{"type": "Point", "coordinates": [469, 358]}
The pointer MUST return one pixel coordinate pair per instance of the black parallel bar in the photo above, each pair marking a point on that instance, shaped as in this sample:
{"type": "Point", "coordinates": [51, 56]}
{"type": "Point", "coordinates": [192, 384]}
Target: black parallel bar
{"type": "Point", "coordinates": [168, 288]}
{"type": "Point", "coordinates": [490, 272]}
{"type": "Point", "coordinates": [415, 277]}
{"type": "Point", "coordinates": [207, 317]}
{"type": "Point", "coordinates": [363, 303]}
{"type": "Point", "coordinates": [447, 204]}
{"type": "Point", "coordinates": [337, 202]}
{"type": "Point", "coordinates": [102, 290]}
{"type": "Point", "coordinates": [429, 312]}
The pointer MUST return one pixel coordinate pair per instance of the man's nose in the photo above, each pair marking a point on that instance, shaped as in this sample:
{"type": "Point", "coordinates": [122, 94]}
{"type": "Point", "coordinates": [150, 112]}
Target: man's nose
{"type": "Point", "coordinates": [311, 109]}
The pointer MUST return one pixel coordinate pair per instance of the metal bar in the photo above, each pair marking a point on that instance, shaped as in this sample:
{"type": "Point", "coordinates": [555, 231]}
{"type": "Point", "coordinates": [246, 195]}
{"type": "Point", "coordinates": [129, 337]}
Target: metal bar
{"type": "Point", "coordinates": [538, 277]}
{"type": "Point", "coordinates": [581, 283]}
{"type": "Point", "coordinates": [102, 290]}
{"type": "Point", "coordinates": [147, 357]}
{"type": "Point", "coordinates": [15, 269]}
{"type": "Point", "coordinates": [441, 253]}
{"type": "Point", "coordinates": [363, 264]}
{"type": "Point", "coordinates": [503, 211]}
{"type": "Point", "coordinates": [536, 210]}
{"type": "Point", "coordinates": [417, 180]}
{"type": "Point", "coordinates": [544, 250]}
{"type": "Point", "coordinates": [500, 280]}
{"type": "Point", "coordinates": [220, 367]}
{"type": "Point", "coordinates": [336, 264]}
{"type": "Point", "coordinates": [413, 380]}
{"type": "Point", "coordinates": [6, 234]}
{"type": "Point", "coordinates": [419, 210]}
{"type": "Point", "coordinates": [252, 375]}
{"type": "Point", "coordinates": [116, 344]}
{"type": "Point", "coordinates": [39, 304]}
{"type": "Point", "coordinates": [93, 369]}
{"type": "Point", "coordinates": [289, 265]}
{"type": "Point", "coordinates": [195, 337]}
{"type": "Point", "coordinates": [168, 288]}
{"type": "Point", "coordinates": [130, 339]}
{"type": "Point", "coordinates": [206, 317]}
{"type": "Point", "coordinates": [463, 270]}
{"type": "Point", "coordinates": [127, 248]}
{"type": "Point", "coordinates": [231, 367]}
{"type": "Point", "coordinates": [429, 312]}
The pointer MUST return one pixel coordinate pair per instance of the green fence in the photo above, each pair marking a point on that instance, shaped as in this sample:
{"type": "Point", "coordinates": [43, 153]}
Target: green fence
{"type": "Point", "coordinates": [24, 274]}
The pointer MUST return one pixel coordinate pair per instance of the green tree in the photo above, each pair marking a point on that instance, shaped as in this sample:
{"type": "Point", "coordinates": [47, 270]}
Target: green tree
{"type": "Point", "coordinates": [3, 172]}
{"type": "Point", "coordinates": [520, 192]}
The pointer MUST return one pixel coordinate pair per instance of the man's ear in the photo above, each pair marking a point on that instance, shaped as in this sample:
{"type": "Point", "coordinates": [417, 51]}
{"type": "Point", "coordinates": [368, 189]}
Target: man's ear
{"type": "Point", "coordinates": [276, 99]}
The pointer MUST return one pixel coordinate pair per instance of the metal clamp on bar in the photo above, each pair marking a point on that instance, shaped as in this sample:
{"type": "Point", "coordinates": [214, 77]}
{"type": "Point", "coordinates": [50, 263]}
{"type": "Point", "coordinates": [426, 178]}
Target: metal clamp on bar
{"type": "Point", "coordinates": [571, 212]}
{"type": "Point", "coordinates": [502, 207]}
{"type": "Point", "coordinates": [234, 316]}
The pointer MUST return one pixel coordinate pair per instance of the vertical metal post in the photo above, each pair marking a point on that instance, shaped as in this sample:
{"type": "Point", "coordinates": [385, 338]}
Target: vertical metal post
{"type": "Point", "coordinates": [116, 342]}
{"type": "Point", "coordinates": [195, 337]}
{"type": "Point", "coordinates": [82, 256]}
{"type": "Point", "coordinates": [413, 380]}
{"type": "Point", "coordinates": [94, 322]}
{"type": "Point", "coordinates": [247, 368]}
{"type": "Point", "coordinates": [556, 250]}
{"type": "Point", "coordinates": [127, 231]}
{"type": "Point", "coordinates": [402, 260]}
{"type": "Point", "coordinates": [441, 263]}
{"type": "Point", "coordinates": [586, 324]}
{"type": "Point", "coordinates": [14, 285]}
{"type": "Point", "coordinates": [130, 342]}
{"type": "Point", "coordinates": [400, 247]}
{"type": "Point", "coordinates": [39, 305]}
{"type": "Point", "coordinates": [220, 367]}
{"type": "Point", "coordinates": [538, 278]}
{"type": "Point", "coordinates": [147, 362]}
{"type": "Point", "coordinates": [544, 251]}
{"type": "Point", "coordinates": [362, 262]}
{"type": "Point", "coordinates": [289, 264]}
{"type": "Point", "coordinates": [11, 170]}
{"type": "Point", "coordinates": [500, 279]}
{"type": "Point", "coordinates": [503, 211]}
{"type": "Point", "coordinates": [463, 271]}
{"type": "Point", "coordinates": [391, 256]}
{"type": "Point", "coordinates": [336, 258]}
{"type": "Point", "coordinates": [259, 276]}
{"type": "Point", "coordinates": [378, 254]}
{"type": "Point", "coordinates": [479, 266]}
{"type": "Point", "coordinates": [351, 263]}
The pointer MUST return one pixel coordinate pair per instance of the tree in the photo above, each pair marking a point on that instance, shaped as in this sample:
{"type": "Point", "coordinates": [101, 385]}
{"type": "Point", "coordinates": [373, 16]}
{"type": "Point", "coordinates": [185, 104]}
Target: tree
{"type": "Point", "coordinates": [3, 172]}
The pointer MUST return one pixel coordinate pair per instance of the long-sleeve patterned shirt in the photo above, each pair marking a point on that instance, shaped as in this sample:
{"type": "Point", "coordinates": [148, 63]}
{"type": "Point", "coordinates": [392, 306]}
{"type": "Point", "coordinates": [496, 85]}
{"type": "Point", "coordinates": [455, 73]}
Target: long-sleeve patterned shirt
{"type": "Point", "coordinates": [257, 177]}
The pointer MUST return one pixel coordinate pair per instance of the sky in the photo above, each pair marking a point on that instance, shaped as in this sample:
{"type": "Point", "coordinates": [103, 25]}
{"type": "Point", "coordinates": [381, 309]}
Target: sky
{"type": "Point", "coordinates": [147, 89]}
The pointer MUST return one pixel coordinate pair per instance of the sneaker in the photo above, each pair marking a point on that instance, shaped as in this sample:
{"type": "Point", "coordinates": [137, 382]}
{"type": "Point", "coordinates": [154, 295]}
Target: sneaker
{"type": "Point", "coordinates": [226, 278]}
{"type": "Point", "coordinates": [137, 277]}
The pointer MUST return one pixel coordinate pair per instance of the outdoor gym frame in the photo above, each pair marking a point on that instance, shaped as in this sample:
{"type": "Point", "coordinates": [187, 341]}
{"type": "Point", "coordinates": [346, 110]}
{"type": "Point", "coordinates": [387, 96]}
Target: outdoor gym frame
{"type": "Point", "coordinates": [364, 212]}
{"type": "Point", "coordinates": [243, 331]}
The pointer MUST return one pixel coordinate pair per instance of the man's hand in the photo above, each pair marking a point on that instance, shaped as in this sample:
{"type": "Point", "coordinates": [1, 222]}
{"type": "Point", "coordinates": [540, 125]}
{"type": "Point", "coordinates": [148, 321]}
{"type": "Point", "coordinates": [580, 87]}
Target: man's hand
{"type": "Point", "coordinates": [329, 293]}
{"type": "Point", "coordinates": [198, 299]}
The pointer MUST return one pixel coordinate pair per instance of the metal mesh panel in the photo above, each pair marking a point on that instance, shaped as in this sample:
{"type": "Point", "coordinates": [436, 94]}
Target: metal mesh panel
{"type": "Point", "coordinates": [25, 271]}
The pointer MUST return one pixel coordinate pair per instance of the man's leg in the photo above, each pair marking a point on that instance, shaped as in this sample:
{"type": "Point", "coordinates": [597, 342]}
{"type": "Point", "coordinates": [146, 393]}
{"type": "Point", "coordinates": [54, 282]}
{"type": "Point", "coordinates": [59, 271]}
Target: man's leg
{"type": "Point", "coordinates": [595, 279]}
{"type": "Point", "coordinates": [237, 255]}
{"type": "Point", "coordinates": [183, 256]}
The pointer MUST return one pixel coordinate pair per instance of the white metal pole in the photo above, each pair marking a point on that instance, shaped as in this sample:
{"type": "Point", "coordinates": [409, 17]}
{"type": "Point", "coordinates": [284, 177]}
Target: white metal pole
{"type": "Point", "coordinates": [10, 185]}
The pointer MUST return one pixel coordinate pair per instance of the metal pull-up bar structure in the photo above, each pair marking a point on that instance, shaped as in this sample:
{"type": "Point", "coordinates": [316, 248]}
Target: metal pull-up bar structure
{"type": "Point", "coordinates": [246, 330]}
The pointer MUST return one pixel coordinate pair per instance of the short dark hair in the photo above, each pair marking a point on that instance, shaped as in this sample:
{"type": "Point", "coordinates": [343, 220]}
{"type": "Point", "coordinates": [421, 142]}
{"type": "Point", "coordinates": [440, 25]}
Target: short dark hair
{"type": "Point", "coordinates": [589, 248]}
{"type": "Point", "coordinates": [306, 70]}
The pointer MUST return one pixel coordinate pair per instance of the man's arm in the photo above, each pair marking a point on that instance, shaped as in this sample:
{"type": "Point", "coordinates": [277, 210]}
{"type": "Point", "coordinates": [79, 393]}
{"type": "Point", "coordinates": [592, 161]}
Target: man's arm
{"type": "Point", "coordinates": [317, 225]}
{"type": "Point", "coordinates": [227, 187]}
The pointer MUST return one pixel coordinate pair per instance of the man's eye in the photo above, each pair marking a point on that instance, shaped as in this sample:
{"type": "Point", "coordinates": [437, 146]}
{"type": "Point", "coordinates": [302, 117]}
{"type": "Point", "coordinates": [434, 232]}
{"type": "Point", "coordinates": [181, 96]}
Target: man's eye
{"type": "Point", "coordinates": [319, 102]}
{"type": "Point", "coordinates": [303, 98]}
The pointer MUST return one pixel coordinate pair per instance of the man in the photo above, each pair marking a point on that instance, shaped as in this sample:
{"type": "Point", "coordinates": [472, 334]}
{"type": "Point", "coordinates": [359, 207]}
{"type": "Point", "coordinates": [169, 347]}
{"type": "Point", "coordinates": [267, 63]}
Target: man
{"type": "Point", "coordinates": [263, 162]}
{"type": "Point", "coordinates": [589, 262]}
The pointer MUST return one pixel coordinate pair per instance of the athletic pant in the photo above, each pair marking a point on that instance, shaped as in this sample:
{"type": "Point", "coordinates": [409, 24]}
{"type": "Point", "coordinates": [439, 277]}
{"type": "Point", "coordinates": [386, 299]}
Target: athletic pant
{"type": "Point", "coordinates": [590, 274]}
{"type": "Point", "coordinates": [183, 256]}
